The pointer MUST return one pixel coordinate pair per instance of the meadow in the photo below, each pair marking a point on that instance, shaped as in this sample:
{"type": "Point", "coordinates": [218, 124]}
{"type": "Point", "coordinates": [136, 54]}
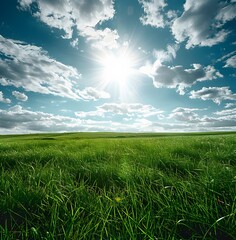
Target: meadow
{"type": "Point", "coordinates": [118, 186]}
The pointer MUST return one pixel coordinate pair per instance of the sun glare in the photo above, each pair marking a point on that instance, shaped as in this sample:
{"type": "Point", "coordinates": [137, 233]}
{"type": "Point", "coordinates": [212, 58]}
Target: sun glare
{"type": "Point", "coordinates": [116, 71]}
{"type": "Point", "coordinates": [117, 68]}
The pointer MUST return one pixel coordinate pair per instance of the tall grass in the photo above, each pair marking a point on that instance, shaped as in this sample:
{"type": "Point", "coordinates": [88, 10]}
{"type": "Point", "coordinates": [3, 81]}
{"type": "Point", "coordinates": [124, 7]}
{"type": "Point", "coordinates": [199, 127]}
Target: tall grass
{"type": "Point", "coordinates": [118, 186]}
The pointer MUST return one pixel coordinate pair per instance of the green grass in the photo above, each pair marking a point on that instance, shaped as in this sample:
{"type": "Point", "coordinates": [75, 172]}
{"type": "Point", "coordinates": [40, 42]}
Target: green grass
{"type": "Point", "coordinates": [118, 186]}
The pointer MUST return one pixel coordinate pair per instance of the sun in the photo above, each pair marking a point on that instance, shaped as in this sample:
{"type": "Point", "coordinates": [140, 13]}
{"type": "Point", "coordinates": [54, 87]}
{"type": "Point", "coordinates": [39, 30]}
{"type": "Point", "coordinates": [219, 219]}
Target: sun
{"type": "Point", "coordinates": [117, 68]}
{"type": "Point", "coordinates": [116, 72]}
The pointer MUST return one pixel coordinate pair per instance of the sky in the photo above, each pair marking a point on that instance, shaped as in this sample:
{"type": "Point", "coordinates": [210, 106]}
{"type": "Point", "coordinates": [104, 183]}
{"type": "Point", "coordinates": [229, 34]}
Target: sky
{"type": "Point", "coordinates": [117, 65]}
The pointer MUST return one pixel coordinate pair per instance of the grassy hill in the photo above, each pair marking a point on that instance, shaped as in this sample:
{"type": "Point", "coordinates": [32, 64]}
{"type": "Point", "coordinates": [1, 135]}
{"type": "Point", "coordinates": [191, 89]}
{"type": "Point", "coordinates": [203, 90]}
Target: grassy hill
{"type": "Point", "coordinates": [118, 186]}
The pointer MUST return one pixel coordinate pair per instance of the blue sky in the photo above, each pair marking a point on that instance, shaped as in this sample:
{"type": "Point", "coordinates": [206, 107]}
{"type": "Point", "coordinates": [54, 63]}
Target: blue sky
{"type": "Point", "coordinates": [115, 65]}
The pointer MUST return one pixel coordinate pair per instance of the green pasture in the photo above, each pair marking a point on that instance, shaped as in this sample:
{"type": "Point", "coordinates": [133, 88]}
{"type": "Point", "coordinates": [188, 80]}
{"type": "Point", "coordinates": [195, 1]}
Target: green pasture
{"type": "Point", "coordinates": [118, 186]}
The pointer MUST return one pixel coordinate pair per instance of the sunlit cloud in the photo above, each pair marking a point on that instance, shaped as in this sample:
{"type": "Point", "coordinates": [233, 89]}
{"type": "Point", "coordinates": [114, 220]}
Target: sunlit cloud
{"type": "Point", "coordinates": [178, 77]}
{"type": "Point", "coordinates": [100, 39]}
{"type": "Point", "coordinates": [215, 94]}
{"type": "Point", "coordinates": [229, 105]}
{"type": "Point", "coordinates": [226, 112]}
{"type": "Point", "coordinates": [19, 120]}
{"type": "Point", "coordinates": [20, 96]}
{"type": "Point", "coordinates": [31, 68]}
{"type": "Point", "coordinates": [123, 109]}
{"type": "Point", "coordinates": [231, 62]}
{"type": "Point", "coordinates": [202, 22]}
{"type": "Point", "coordinates": [90, 93]}
{"type": "Point", "coordinates": [186, 114]}
{"type": "Point", "coordinates": [3, 99]}
{"type": "Point", "coordinates": [167, 55]}
{"type": "Point", "coordinates": [83, 16]}
{"type": "Point", "coordinates": [153, 12]}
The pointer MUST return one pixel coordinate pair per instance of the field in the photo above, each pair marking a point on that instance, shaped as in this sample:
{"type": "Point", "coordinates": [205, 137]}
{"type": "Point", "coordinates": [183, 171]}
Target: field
{"type": "Point", "coordinates": [118, 186]}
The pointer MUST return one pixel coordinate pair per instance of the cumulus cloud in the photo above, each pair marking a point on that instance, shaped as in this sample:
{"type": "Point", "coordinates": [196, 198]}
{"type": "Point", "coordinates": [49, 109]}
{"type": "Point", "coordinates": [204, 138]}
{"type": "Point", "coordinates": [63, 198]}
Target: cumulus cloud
{"type": "Point", "coordinates": [161, 57]}
{"type": "Point", "coordinates": [19, 120]}
{"type": "Point", "coordinates": [165, 55]}
{"type": "Point", "coordinates": [231, 62]}
{"type": "Point", "coordinates": [100, 39]}
{"type": "Point", "coordinates": [153, 13]}
{"type": "Point", "coordinates": [20, 96]}
{"type": "Point", "coordinates": [192, 121]}
{"type": "Point", "coordinates": [30, 67]}
{"type": "Point", "coordinates": [130, 109]}
{"type": "Point", "coordinates": [202, 22]}
{"type": "Point", "coordinates": [229, 105]}
{"type": "Point", "coordinates": [226, 112]}
{"type": "Point", "coordinates": [226, 122]}
{"type": "Point", "coordinates": [216, 94]}
{"type": "Point", "coordinates": [178, 76]}
{"type": "Point", "coordinates": [4, 100]}
{"type": "Point", "coordinates": [90, 114]}
{"type": "Point", "coordinates": [24, 4]}
{"type": "Point", "coordinates": [68, 15]}
{"type": "Point", "coordinates": [125, 109]}
{"type": "Point", "coordinates": [185, 114]}
{"type": "Point", "coordinates": [74, 43]}
{"type": "Point", "coordinates": [90, 93]}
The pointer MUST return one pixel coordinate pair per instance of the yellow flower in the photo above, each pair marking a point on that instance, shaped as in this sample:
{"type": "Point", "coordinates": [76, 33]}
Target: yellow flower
{"type": "Point", "coordinates": [118, 199]}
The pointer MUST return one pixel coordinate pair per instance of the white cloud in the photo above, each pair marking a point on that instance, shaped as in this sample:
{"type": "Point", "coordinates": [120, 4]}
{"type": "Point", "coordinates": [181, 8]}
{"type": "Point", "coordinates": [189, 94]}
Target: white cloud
{"type": "Point", "coordinates": [226, 112]}
{"type": "Point", "coordinates": [225, 14]}
{"type": "Point", "coordinates": [31, 68]}
{"type": "Point", "coordinates": [231, 62]}
{"type": "Point", "coordinates": [100, 39]}
{"type": "Point", "coordinates": [130, 109]}
{"type": "Point", "coordinates": [171, 15]}
{"type": "Point", "coordinates": [228, 55]}
{"type": "Point", "coordinates": [177, 76]}
{"type": "Point", "coordinates": [90, 114]}
{"type": "Point", "coordinates": [165, 56]}
{"type": "Point", "coordinates": [154, 13]}
{"type": "Point", "coordinates": [24, 4]}
{"type": "Point", "coordinates": [202, 21]}
{"type": "Point", "coordinates": [90, 93]}
{"type": "Point", "coordinates": [74, 43]}
{"type": "Point", "coordinates": [4, 100]}
{"type": "Point", "coordinates": [192, 121]}
{"type": "Point", "coordinates": [69, 15]}
{"type": "Point", "coordinates": [229, 59]}
{"type": "Point", "coordinates": [229, 105]}
{"type": "Point", "coordinates": [216, 94]}
{"type": "Point", "coordinates": [185, 114]}
{"type": "Point", "coordinates": [20, 96]}
{"type": "Point", "coordinates": [19, 120]}
{"type": "Point", "coordinates": [91, 12]}
{"type": "Point", "coordinates": [123, 109]}
{"type": "Point", "coordinates": [227, 122]}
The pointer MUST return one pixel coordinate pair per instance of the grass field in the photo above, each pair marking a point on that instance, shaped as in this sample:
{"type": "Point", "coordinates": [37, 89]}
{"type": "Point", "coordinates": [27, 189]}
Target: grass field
{"type": "Point", "coordinates": [118, 186]}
